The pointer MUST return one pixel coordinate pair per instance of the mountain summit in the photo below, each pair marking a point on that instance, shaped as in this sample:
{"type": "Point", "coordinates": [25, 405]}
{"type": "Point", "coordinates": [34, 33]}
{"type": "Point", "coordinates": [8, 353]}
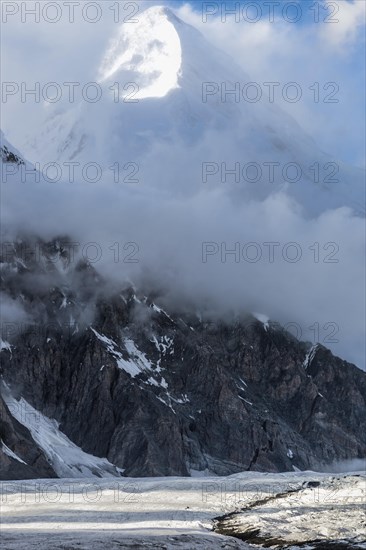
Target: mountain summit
{"type": "Point", "coordinates": [150, 55]}
{"type": "Point", "coordinates": [167, 93]}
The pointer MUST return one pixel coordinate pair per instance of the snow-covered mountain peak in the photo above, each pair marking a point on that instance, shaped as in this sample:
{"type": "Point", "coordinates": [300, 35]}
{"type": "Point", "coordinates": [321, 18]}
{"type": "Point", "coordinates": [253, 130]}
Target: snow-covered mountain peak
{"type": "Point", "coordinates": [167, 93]}
{"type": "Point", "coordinates": [147, 53]}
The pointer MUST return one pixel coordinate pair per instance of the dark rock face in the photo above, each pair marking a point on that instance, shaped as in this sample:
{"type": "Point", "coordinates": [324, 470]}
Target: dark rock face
{"type": "Point", "coordinates": [162, 393]}
{"type": "Point", "coordinates": [30, 462]}
{"type": "Point", "coordinates": [9, 156]}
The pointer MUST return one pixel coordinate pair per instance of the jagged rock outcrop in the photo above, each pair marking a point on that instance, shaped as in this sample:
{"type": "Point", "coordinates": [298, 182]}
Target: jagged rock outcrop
{"type": "Point", "coordinates": [8, 154]}
{"type": "Point", "coordinates": [164, 392]}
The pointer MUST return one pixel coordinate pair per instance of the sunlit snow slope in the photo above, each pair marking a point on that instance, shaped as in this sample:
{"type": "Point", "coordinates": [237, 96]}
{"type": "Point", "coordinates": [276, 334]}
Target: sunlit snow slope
{"type": "Point", "coordinates": [66, 458]}
{"type": "Point", "coordinates": [163, 107]}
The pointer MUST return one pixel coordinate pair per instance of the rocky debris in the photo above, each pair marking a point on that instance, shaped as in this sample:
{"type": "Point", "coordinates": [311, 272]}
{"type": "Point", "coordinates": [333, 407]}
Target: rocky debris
{"type": "Point", "coordinates": [317, 515]}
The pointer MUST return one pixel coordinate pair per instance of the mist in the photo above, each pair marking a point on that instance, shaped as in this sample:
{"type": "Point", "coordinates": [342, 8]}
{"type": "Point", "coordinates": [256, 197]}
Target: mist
{"type": "Point", "coordinates": [218, 254]}
{"type": "Point", "coordinates": [286, 250]}
{"type": "Point", "coordinates": [353, 465]}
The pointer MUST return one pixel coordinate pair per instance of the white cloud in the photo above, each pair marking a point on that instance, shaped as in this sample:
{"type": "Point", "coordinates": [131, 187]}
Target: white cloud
{"type": "Point", "coordinates": [171, 219]}
{"type": "Point", "coordinates": [351, 19]}
{"type": "Point", "coordinates": [306, 54]}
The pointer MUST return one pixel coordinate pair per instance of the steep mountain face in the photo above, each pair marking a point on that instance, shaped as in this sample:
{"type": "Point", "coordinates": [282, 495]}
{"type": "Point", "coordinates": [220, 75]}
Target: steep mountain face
{"type": "Point", "coordinates": [160, 392]}
{"type": "Point", "coordinates": [165, 93]}
{"type": "Point", "coordinates": [114, 379]}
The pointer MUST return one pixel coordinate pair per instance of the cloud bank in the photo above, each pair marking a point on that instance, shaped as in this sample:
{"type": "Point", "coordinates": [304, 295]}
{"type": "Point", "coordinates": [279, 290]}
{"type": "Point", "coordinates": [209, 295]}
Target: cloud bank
{"type": "Point", "coordinates": [206, 247]}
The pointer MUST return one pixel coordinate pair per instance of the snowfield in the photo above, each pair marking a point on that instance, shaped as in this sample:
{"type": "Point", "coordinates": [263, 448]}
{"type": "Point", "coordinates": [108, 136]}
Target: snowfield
{"type": "Point", "coordinates": [288, 509]}
{"type": "Point", "coordinates": [66, 458]}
